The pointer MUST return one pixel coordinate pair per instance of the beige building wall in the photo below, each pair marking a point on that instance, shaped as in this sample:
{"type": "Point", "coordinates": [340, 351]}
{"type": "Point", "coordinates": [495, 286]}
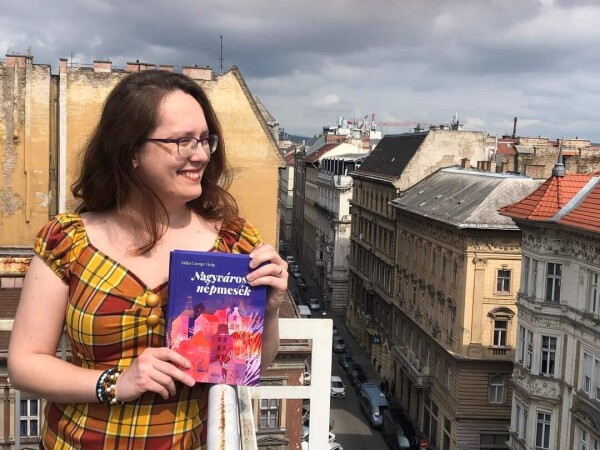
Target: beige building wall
{"type": "Point", "coordinates": [251, 150]}
{"type": "Point", "coordinates": [25, 147]}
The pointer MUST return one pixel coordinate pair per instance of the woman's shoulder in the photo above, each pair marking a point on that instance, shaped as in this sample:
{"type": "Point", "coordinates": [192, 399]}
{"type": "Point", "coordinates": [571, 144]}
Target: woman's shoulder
{"type": "Point", "coordinates": [62, 225]}
{"type": "Point", "coordinates": [238, 236]}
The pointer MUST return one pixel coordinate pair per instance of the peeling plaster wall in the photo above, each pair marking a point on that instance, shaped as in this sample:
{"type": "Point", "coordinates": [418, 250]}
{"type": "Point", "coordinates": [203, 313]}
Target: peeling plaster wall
{"type": "Point", "coordinates": [25, 146]}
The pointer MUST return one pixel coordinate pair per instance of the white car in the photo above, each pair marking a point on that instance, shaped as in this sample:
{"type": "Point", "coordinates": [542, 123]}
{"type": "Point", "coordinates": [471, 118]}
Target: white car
{"type": "Point", "coordinates": [305, 438]}
{"type": "Point", "coordinates": [338, 388]}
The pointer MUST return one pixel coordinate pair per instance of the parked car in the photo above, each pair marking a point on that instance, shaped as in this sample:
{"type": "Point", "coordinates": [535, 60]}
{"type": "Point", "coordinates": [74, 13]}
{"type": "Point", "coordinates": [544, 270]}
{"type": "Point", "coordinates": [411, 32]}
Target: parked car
{"type": "Point", "coordinates": [357, 375]}
{"type": "Point", "coordinates": [345, 361]}
{"type": "Point", "coordinates": [296, 272]}
{"type": "Point", "coordinates": [334, 331]}
{"type": "Point", "coordinates": [339, 345]}
{"type": "Point", "coordinates": [301, 283]}
{"type": "Point", "coordinates": [314, 304]}
{"type": "Point", "coordinates": [338, 388]}
{"type": "Point", "coordinates": [399, 431]}
{"type": "Point", "coordinates": [290, 260]}
{"type": "Point", "coordinates": [372, 403]}
{"type": "Point", "coordinates": [305, 434]}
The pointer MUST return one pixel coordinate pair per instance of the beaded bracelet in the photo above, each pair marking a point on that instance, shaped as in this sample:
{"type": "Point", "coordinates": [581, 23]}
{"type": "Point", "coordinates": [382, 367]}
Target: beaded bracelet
{"type": "Point", "coordinates": [105, 387]}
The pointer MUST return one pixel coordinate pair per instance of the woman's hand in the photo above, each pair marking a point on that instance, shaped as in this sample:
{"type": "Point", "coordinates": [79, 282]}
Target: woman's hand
{"type": "Point", "coordinates": [155, 370]}
{"type": "Point", "coordinates": [274, 274]}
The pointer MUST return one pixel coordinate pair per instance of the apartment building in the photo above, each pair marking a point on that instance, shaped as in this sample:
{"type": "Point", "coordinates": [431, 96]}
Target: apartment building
{"type": "Point", "coordinates": [333, 225]}
{"type": "Point", "coordinates": [448, 340]}
{"type": "Point", "coordinates": [556, 379]}
{"type": "Point", "coordinates": [44, 120]}
{"type": "Point", "coordinates": [396, 164]}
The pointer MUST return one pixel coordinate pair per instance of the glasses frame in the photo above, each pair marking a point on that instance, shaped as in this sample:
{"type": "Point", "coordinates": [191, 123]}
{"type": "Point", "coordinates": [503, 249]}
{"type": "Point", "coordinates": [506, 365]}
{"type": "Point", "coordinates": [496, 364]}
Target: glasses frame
{"type": "Point", "coordinates": [199, 141]}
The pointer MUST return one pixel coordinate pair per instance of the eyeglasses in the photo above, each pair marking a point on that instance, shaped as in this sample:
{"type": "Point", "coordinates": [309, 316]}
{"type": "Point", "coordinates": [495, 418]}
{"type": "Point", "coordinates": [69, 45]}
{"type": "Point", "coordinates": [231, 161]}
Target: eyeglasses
{"type": "Point", "coordinates": [187, 146]}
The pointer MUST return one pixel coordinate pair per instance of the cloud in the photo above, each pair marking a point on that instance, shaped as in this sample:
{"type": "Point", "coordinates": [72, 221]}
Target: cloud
{"type": "Point", "coordinates": [310, 61]}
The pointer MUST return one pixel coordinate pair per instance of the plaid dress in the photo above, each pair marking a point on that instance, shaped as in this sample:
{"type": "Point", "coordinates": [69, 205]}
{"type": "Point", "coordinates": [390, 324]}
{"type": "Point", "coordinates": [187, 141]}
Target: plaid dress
{"type": "Point", "coordinates": [106, 323]}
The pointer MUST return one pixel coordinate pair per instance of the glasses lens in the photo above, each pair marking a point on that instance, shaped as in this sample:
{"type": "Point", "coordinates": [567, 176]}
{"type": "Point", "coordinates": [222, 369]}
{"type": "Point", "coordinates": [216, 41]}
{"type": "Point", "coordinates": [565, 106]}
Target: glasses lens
{"type": "Point", "coordinates": [212, 142]}
{"type": "Point", "coordinates": [187, 147]}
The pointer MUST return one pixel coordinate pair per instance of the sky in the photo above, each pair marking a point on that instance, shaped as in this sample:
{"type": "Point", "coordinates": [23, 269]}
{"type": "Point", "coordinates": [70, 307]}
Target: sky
{"type": "Point", "coordinates": [309, 61]}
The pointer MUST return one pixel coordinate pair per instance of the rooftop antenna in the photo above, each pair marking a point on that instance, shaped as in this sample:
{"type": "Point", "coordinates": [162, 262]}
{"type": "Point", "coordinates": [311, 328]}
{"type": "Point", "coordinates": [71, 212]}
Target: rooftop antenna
{"type": "Point", "coordinates": [559, 167]}
{"type": "Point", "coordinates": [221, 57]}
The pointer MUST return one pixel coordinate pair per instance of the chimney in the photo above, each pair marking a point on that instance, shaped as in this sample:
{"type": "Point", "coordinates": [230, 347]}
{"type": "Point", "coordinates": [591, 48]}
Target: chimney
{"type": "Point", "coordinates": [514, 128]}
{"type": "Point", "coordinates": [137, 66]}
{"type": "Point", "coordinates": [198, 73]}
{"type": "Point", "coordinates": [102, 66]}
{"type": "Point", "coordinates": [168, 68]}
{"type": "Point", "coordinates": [465, 163]}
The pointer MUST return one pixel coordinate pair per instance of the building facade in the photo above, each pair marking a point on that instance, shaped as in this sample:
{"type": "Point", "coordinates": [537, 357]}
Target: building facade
{"type": "Point", "coordinates": [448, 344]}
{"type": "Point", "coordinates": [556, 395]}
{"type": "Point", "coordinates": [333, 224]}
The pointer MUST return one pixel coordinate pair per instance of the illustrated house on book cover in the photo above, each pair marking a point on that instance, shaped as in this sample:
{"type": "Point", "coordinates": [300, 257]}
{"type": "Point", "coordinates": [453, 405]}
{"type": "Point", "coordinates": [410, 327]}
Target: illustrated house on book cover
{"type": "Point", "coordinates": [214, 318]}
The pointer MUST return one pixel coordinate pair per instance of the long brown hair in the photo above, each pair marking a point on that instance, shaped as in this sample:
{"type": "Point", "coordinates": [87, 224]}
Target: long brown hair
{"type": "Point", "coordinates": [130, 114]}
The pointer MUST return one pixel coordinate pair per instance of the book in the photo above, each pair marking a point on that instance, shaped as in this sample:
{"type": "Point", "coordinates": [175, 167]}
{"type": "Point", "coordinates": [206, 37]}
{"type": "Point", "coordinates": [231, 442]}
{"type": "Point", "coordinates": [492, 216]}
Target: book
{"type": "Point", "coordinates": [214, 318]}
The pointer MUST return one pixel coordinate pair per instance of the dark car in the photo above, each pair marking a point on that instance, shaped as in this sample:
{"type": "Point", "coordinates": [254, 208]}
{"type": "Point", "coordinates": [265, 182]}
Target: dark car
{"type": "Point", "coordinates": [357, 375]}
{"type": "Point", "coordinates": [338, 345]}
{"type": "Point", "coordinates": [301, 283]}
{"type": "Point", "coordinates": [345, 361]}
{"type": "Point", "coordinates": [398, 430]}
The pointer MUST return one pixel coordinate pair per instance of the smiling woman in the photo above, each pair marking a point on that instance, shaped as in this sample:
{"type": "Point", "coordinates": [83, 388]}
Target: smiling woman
{"type": "Point", "coordinates": [154, 179]}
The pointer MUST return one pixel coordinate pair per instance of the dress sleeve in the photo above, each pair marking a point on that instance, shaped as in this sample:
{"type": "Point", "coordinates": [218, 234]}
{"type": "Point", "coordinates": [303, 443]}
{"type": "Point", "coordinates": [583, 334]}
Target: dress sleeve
{"type": "Point", "coordinates": [57, 243]}
{"type": "Point", "coordinates": [238, 237]}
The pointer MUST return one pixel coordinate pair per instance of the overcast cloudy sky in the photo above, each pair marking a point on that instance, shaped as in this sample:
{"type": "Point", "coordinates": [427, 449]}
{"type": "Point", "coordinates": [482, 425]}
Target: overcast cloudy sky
{"type": "Point", "coordinates": [310, 61]}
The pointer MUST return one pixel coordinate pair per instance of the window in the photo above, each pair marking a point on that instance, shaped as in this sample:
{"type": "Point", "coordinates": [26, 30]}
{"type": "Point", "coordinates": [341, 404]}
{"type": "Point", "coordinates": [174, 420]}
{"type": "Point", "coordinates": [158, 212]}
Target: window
{"type": "Point", "coordinates": [29, 419]}
{"type": "Point", "coordinates": [525, 275]}
{"type": "Point", "coordinates": [592, 303]}
{"type": "Point", "coordinates": [269, 413]}
{"type": "Point", "coordinates": [548, 356]}
{"type": "Point", "coordinates": [553, 277]}
{"type": "Point", "coordinates": [433, 261]}
{"type": "Point", "coordinates": [542, 431]}
{"type": "Point", "coordinates": [452, 327]}
{"type": "Point", "coordinates": [496, 390]}
{"type": "Point", "coordinates": [586, 382]}
{"type": "Point", "coordinates": [454, 272]}
{"type": "Point", "coordinates": [503, 282]}
{"type": "Point", "coordinates": [500, 331]}
{"type": "Point", "coordinates": [492, 441]}
{"type": "Point", "coordinates": [447, 434]}
{"type": "Point", "coordinates": [431, 305]}
{"type": "Point", "coordinates": [525, 347]}
{"type": "Point", "coordinates": [521, 418]}
{"type": "Point", "coordinates": [597, 364]}
{"type": "Point", "coordinates": [586, 441]}
{"type": "Point", "coordinates": [444, 263]}
{"type": "Point", "coordinates": [430, 420]}
{"type": "Point", "coordinates": [449, 378]}
{"type": "Point", "coordinates": [534, 275]}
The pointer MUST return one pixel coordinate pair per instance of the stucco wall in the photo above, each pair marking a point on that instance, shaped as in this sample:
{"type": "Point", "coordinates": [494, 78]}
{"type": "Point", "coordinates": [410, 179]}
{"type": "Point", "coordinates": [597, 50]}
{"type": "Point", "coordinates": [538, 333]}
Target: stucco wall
{"type": "Point", "coordinates": [25, 144]}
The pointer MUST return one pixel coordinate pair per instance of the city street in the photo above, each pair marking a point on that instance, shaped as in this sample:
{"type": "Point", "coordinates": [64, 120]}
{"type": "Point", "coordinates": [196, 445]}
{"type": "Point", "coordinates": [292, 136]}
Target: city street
{"type": "Point", "coordinates": [350, 427]}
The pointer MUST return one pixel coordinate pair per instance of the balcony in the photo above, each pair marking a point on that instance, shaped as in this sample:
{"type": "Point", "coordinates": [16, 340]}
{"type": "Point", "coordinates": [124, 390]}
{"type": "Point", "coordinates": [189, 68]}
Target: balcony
{"type": "Point", "coordinates": [537, 386]}
{"type": "Point", "coordinates": [501, 353]}
{"type": "Point", "coordinates": [417, 374]}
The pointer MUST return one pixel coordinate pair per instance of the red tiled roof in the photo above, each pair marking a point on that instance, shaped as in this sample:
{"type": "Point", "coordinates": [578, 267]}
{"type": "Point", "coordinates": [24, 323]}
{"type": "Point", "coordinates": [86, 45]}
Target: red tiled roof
{"type": "Point", "coordinates": [506, 148]}
{"type": "Point", "coordinates": [314, 156]}
{"type": "Point", "coordinates": [548, 199]}
{"type": "Point", "coordinates": [585, 214]}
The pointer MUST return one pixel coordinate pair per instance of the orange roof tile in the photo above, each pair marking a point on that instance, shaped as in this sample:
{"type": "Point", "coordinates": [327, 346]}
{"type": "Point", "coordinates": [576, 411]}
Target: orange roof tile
{"type": "Point", "coordinates": [506, 148]}
{"type": "Point", "coordinates": [543, 203]}
{"type": "Point", "coordinates": [585, 214]}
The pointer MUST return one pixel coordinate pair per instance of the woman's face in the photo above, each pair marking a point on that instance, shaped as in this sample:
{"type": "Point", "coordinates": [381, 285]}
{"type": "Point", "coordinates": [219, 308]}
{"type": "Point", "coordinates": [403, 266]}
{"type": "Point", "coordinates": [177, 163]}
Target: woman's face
{"type": "Point", "coordinates": [174, 179]}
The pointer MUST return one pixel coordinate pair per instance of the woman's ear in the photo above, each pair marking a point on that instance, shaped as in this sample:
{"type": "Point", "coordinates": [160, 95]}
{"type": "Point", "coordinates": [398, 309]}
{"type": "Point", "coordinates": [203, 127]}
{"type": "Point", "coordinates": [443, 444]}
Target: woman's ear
{"type": "Point", "coordinates": [135, 162]}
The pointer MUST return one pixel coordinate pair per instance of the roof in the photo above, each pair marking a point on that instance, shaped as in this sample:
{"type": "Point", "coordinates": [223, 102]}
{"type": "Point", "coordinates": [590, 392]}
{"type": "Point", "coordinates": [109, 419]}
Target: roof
{"type": "Point", "coordinates": [391, 156]}
{"type": "Point", "coordinates": [466, 198]}
{"type": "Point", "coordinates": [506, 148]}
{"type": "Point", "coordinates": [548, 199]}
{"type": "Point", "coordinates": [316, 155]}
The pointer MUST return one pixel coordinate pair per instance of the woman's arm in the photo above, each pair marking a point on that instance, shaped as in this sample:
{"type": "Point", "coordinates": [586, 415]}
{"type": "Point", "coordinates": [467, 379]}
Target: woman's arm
{"type": "Point", "coordinates": [275, 276]}
{"type": "Point", "coordinates": [32, 363]}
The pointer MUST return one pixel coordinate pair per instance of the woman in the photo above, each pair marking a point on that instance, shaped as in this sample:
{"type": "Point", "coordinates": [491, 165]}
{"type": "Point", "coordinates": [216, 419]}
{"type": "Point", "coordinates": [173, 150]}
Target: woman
{"type": "Point", "coordinates": [153, 179]}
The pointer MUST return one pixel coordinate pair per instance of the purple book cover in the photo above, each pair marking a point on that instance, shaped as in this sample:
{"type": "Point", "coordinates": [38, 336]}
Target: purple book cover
{"type": "Point", "coordinates": [214, 318]}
